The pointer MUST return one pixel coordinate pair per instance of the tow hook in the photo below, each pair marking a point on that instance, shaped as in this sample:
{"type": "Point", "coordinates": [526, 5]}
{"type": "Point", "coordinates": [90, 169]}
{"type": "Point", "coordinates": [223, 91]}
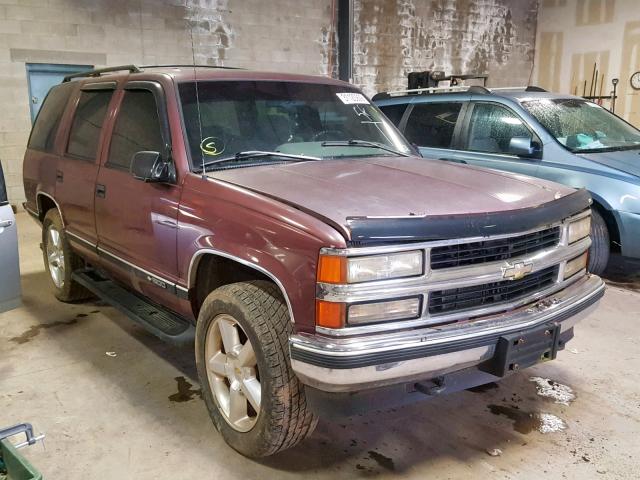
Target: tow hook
{"type": "Point", "coordinates": [432, 387]}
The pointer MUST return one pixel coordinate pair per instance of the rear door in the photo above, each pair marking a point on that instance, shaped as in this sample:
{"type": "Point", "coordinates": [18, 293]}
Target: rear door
{"type": "Point", "coordinates": [9, 267]}
{"type": "Point", "coordinates": [137, 221]}
{"type": "Point", "coordinates": [77, 168]}
{"type": "Point", "coordinates": [434, 127]}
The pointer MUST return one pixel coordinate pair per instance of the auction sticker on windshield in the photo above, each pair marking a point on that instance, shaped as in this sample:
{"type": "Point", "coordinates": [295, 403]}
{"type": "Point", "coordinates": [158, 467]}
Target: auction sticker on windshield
{"type": "Point", "coordinates": [352, 98]}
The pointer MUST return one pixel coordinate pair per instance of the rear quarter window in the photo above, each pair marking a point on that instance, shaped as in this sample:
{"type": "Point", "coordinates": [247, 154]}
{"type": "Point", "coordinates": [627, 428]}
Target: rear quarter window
{"type": "Point", "coordinates": [43, 133]}
{"type": "Point", "coordinates": [394, 112]}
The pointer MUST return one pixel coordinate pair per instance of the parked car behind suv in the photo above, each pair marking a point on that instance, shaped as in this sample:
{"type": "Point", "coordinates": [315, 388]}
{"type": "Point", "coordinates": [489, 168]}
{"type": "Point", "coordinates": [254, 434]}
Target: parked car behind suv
{"type": "Point", "coordinates": [284, 222]}
{"type": "Point", "coordinates": [561, 138]}
{"type": "Point", "coordinates": [9, 263]}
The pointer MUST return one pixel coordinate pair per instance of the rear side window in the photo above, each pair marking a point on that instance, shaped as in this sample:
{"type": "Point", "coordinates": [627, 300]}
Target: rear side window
{"type": "Point", "coordinates": [137, 128]}
{"type": "Point", "coordinates": [432, 124]}
{"type": "Point", "coordinates": [3, 188]}
{"type": "Point", "coordinates": [394, 112]}
{"type": "Point", "coordinates": [87, 123]}
{"type": "Point", "coordinates": [44, 130]}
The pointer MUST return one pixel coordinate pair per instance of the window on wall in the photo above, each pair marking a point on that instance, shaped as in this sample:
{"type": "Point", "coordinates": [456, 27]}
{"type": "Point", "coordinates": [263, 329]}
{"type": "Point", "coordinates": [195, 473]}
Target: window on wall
{"type": "Point", "coordinates": [492, 127]}
{"type": "Point", "coordinates": [433, 124]}
{"type": "Point", "coordinates": [137, 129]}
{"type": "Point", "coordinates": [87, 123]}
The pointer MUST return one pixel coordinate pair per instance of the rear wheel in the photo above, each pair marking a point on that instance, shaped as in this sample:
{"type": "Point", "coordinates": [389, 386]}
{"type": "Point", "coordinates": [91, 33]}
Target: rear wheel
{"type": "Point", "coordinates": [600, 244]}
{"type": "Point", "coordinates": [254, 399]}
{"type": "Point", "coordinates": [59, 260]}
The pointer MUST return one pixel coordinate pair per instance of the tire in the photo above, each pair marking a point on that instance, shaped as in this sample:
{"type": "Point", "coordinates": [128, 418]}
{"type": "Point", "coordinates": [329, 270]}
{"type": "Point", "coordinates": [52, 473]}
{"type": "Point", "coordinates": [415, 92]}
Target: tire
{"type": "Point", "coordinates": [600, 244]}
{"type": "Point", "coordinates": [55, 245]}
{"type": "Point", "coordinates": [258, 313]}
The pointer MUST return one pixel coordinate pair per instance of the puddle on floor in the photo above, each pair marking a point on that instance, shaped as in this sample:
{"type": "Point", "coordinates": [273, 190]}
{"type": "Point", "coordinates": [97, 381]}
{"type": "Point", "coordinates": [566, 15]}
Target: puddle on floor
{"type": "Point", "coordinates": [185, 391]}
{"type": "Point", "coordinates": [559, 393]}
{"type": "Point", "coordinates": [527, 422]}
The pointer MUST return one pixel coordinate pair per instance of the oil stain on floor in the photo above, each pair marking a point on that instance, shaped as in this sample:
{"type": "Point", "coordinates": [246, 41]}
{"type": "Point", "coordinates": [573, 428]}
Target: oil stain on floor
{"type": "Point", "coordinates": [185, 391]}
{"type": "Point", "coordinates": [35, 330]}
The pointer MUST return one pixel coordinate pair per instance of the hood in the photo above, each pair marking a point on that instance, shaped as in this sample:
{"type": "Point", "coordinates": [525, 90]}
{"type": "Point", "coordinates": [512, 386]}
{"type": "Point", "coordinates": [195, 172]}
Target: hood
{"type": "Point", "coordinates": [338, 190]}
{"type": "Point", "coordinates": [627, 161]}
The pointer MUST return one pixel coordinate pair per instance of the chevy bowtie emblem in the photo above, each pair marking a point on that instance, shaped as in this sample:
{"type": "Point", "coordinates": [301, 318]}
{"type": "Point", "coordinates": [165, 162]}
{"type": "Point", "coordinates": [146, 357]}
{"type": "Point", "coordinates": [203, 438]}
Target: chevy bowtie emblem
{"type": "Point", "coordinates": [517, 271]}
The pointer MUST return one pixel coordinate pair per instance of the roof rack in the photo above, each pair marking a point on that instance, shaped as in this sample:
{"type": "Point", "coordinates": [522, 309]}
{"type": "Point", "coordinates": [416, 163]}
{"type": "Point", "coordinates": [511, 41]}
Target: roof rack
{"type": "Point", "coordinates": [192, 66]}
{"type": "Point", "coordinates": [478, 89]}
{"type": "Point", "coordinates": [99, 71]}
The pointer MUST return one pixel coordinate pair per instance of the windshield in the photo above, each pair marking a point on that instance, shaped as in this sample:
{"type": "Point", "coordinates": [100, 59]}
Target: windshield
{"type": "Point", "coordinates": [583, 126]}
{"type": "Point", "coordinates": [226, 118]}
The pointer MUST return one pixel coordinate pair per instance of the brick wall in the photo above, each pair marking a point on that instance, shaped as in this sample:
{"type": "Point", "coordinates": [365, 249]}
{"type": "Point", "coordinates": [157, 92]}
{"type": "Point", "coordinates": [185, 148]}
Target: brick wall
{"type": "Point", "coordinates": [282, 35]}
{"type": "Point", "coordinates": [395, 37]}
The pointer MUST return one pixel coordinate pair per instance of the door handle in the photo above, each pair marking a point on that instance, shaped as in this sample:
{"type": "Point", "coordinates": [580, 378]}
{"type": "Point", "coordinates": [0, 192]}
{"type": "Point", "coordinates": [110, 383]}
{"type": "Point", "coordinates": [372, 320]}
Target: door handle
{"type": "Point", "coordinates": [454, 160]}
{"type": "Point", "coordinates": [101, 190]}
{"type": "Point", "coordinates": [59, 176]}
{"type": "Point", "coordinates": [5, 223]}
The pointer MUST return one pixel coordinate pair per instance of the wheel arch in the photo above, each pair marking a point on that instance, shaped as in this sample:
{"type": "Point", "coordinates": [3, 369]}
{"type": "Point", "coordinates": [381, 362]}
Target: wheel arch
{"type": "Point", "coordinates": [610, 219]}
{"type": "Point", "coordinates": [46, 202]}
{"type": "Point", "coordinates": [208, 261]}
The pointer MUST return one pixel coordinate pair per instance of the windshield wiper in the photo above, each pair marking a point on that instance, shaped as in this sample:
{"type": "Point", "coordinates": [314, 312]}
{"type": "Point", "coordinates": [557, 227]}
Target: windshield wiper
{"type": "Point", "coordinates": [257, 154]}
{"type": "Point", "coordinates": [362, 143]}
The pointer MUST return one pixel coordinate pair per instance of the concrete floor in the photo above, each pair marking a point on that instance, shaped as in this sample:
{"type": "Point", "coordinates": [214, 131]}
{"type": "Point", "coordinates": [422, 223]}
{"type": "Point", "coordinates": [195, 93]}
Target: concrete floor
{"type": "Point", "coordinates": [135, 413]}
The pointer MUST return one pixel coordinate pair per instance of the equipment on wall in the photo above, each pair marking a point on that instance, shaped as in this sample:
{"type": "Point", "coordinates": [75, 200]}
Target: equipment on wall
{"type": "Point", "coordinates": [635, 81]}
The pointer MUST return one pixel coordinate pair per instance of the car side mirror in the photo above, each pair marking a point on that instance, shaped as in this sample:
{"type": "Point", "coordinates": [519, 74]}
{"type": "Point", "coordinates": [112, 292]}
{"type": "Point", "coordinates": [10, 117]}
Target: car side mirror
{"type": "Point", "coordinates": [151, 167]}
{"type": "Point", "coordinates": [525, 147]}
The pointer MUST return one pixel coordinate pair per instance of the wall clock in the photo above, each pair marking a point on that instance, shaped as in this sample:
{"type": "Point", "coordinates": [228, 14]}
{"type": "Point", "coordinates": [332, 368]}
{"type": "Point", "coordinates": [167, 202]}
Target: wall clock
{"type": "Point", "coordinates": [635, 81]}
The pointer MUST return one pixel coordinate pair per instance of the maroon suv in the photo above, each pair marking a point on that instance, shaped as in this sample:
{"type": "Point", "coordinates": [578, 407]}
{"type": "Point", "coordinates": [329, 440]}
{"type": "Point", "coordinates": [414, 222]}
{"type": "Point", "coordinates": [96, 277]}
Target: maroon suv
{"type": "Point", "coordinates": [281, 220]}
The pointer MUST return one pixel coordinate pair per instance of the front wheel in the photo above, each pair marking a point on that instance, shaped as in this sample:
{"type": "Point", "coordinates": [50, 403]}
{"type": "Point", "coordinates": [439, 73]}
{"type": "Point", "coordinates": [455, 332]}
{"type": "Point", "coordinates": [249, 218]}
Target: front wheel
{"type": "Point", "coordinates": [254, 399]}
{"type": "Point", "coordinates": [600, 244]}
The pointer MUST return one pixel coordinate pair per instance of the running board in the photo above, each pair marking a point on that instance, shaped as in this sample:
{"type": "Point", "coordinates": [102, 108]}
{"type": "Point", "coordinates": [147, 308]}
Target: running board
{"type": "Point", "coordinates": [162, 323]}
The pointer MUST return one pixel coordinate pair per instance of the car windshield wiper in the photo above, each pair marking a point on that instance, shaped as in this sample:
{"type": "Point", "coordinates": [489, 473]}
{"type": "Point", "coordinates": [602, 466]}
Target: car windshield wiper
{"type": "Point", "coordinates": [362, 143]}
{"type": "Point", "coordinates": [246, 155]}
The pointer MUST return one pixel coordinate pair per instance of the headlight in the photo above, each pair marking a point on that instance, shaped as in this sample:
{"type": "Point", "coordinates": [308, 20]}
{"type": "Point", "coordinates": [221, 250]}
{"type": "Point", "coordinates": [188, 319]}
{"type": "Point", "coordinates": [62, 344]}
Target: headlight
{"type": "Point", "coordinates": [338, 269]}
{"type": "Point", "coordinates": [579, 229]}
{"type": "Point", "coordinates": [404, 309]}
{"type": "Point", "coordinates": [576, 265]}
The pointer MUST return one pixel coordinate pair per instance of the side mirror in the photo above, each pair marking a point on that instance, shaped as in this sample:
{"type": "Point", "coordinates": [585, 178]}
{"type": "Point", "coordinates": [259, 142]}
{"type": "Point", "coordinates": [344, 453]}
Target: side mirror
{"type": "Point", "coordinates": [524, 147]}
{"type": "Point", "coordinates": [151, 167]}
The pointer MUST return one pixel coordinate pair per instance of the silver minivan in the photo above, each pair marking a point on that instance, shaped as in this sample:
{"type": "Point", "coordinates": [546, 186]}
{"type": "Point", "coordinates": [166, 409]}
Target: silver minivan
{"type": "Point", "coordinates": [9, 266]}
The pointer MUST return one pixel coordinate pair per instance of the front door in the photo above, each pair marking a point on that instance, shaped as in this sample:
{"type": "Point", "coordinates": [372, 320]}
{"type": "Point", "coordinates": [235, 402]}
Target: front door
{"type": "Point", "coordinates": [486, 139]}
{"type": "Point", "coordinates": [137, 221]}
{"type": "Point", "coordinates": [43, 76]}
{"type": "Point", "coordinates": [9, 268]}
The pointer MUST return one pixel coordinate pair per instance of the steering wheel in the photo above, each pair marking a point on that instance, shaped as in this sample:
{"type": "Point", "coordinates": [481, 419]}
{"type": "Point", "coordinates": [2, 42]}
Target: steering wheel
{"type": "Point", "coordinates": [325, 133]}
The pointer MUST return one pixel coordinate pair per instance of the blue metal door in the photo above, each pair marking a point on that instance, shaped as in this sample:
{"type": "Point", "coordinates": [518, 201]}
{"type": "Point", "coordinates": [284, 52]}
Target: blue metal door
{"type": "Point", "coordinates": [43, 76]}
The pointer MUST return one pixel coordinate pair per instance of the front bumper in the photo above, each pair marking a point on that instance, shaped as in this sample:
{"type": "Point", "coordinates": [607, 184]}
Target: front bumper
{"type": "Point", "coordinates": [358, 363]}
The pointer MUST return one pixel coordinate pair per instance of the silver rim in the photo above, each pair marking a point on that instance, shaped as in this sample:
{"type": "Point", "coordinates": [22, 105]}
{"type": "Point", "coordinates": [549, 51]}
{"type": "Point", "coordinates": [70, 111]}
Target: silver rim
{"type": "Point", "coordinates": [233, 373]}
{"type": "Point", "coordinates": [55, 257]}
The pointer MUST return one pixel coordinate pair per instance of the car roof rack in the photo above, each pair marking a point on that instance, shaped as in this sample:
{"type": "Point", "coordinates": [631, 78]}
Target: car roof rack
{"type": "Point", "coordinates": [192, 66]}
{"type": "Point", "coordinates": [99, 71]}
{"type": "Point", "coordinates": [478, 89]}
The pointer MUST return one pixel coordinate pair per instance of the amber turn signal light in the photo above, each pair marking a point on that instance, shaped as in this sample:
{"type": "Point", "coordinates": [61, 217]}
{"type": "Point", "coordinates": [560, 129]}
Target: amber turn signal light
{"type": "Point", "coordinates": [332, 269]}
{"type": "Point", "coordinates": [330, 314]}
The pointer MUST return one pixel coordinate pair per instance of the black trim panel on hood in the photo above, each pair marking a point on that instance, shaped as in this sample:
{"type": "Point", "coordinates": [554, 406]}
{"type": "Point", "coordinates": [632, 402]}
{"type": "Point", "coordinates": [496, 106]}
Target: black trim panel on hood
{"type": "Point", "coordinates": [380, 231]}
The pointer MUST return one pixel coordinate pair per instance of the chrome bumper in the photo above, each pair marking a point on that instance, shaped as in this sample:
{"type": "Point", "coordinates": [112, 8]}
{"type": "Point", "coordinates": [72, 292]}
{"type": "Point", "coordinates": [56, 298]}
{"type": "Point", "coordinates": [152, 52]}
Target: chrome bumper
{"type": "Point", "coordinates": [357, 363]}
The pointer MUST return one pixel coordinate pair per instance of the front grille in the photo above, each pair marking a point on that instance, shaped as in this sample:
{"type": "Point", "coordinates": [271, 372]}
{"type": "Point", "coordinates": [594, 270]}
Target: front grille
{"type": "Point", "coordinates": [493, 250]}
{"type": "Point", "coordinates": [457, 299]}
